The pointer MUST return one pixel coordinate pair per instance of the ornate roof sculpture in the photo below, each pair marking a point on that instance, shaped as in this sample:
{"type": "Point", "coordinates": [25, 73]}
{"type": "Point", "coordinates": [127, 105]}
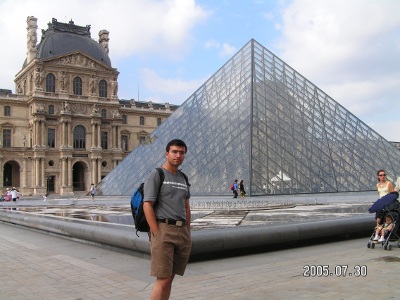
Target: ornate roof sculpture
{"type": "Point", "coordinates": [63, 38]}
{"type": "Point", "coordinates": [259, 120]}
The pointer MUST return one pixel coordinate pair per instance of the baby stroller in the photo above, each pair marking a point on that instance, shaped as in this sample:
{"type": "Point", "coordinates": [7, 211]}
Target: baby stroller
{"type": "Point", "coordinates": [387, 206]}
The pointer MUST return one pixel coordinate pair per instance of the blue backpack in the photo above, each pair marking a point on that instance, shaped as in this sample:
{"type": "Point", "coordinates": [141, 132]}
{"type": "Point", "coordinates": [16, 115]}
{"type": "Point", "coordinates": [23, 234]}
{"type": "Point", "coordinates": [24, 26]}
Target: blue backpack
{"type": "Point", "coordinates": [137, 205]}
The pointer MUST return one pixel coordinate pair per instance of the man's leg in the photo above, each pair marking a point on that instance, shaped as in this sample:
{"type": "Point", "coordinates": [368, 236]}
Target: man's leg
{"type": "Point", "coordinates": [162, 288]}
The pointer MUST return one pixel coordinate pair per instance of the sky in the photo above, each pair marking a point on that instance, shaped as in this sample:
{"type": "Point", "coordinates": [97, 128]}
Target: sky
{"type": "Point", "coordinates": [166, 49]}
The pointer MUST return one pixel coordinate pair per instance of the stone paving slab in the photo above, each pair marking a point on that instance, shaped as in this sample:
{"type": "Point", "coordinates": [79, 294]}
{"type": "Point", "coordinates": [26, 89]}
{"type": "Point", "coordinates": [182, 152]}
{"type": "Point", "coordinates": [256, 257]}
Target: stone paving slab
{"type": "Point", "coordinates": [34, 265]}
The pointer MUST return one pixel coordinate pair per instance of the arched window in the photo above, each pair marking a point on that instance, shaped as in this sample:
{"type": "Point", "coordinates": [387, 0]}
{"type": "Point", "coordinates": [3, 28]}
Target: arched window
{"type": "Point", "coordinates": [103, 88]}
{"type": "Point", "coordinates": [124, 120]}
{"type": "Point", "coordinates": [141, 120]}
{"type": "Point", "coordinates": [79, 137]}
{"type": "Point", "coordinates": [7, 111]}
{"type": "Point", "coordinates": [77, 86]}
{"type": "Point", "coordinates": [50, 83]}
{"type": "Point", "coordinates": [51, 109]}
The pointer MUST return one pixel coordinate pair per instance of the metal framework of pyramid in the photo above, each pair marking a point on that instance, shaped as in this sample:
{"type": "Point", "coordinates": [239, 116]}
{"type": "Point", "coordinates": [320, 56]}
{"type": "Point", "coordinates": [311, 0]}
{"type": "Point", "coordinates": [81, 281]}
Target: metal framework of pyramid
{"type": "Point", "coordinates": [259, 120]}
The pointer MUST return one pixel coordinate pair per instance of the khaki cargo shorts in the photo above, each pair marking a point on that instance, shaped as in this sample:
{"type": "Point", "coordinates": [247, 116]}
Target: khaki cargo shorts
{"type": "Point", "coordinates": [170, 250]}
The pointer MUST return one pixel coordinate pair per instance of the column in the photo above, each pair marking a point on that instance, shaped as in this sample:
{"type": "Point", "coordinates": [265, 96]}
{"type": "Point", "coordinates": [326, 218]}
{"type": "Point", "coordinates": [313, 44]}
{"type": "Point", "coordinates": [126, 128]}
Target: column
{"type": "Point", "coordinates": [93, 177]}
{"type": "Point", "coordinates": [37, 172]}
{"type": "Point", "coordinates": [63, 171]}
{"type": "Point", "coordinates": [44, 134]}
{"type": "Point", "coordinates": [24, 173]}
{"type": "Point", "coordinates": [69, 134]}
{"type": "Point", "coordinates": [117, 136]}
{"type": "Point", "coordinates": [112, 138]}
{"type": "Point", "coordinates": [65, 141]}
{"type": "Point", "coordinates": [98, 135]}
{"type": "Point", "coordinates": [98, 170]}
{"type": "Point", "coordinates": [37, 135]}
{"type": "Point", "coordinates": [69, 172]}
{"type": "Point", "coordinates": [114, 144]}
{"type": "Point", "coordinates": [93, 134]}
{"type": "Point", "coordinates": [43, 179]}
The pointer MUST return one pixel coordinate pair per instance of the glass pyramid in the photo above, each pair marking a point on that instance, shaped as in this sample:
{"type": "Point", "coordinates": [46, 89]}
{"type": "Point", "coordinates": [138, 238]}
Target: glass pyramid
{"type": "Point", "coordinates": [259, 120]}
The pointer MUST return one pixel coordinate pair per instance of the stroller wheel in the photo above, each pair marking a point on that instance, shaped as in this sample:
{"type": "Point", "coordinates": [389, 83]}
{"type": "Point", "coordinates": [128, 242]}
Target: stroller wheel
{"type": "Point", "coordinates": [369, 245]}
{"type": "Point", "coordinates": [372, 246]}
{"type": "Point", "coordinates": [390, 247]}
{"type": "Point", "coordinates": [385, 247]}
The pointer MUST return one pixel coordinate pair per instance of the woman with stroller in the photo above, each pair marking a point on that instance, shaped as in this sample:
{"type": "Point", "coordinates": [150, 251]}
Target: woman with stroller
{"type": "Point", "coordinates": [384, 187]}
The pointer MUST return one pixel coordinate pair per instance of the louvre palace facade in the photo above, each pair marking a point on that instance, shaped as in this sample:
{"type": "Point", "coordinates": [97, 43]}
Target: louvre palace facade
{"type": "Point", "coordinates": [64, 127]}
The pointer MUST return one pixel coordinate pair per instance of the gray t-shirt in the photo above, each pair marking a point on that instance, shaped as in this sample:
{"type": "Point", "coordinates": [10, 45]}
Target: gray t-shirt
{"type": "Point", "coordinates": [171, 200]}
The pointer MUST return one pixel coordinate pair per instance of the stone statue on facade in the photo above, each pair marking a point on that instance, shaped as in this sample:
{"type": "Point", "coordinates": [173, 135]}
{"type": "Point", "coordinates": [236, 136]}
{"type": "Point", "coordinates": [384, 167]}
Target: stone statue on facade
{"type": "Point", "coordinates": [95, 109]}
{"type": "Point", "coordinates": [116, 114]}
{"type": "Point", "coordinates": [63, 80]}
{"type": "Point", "coordinates": [38, 77]}
{"type": "Point", "coordinates": [103, 40]}
{"type": "Point", "coordinates": [114, 84]}
{"type": "Point", "coordinates": [66, 107]}
{"type": "Point", "coordinates": [92, 85]}
{"type": "Point", "coordinates": [24, 140]}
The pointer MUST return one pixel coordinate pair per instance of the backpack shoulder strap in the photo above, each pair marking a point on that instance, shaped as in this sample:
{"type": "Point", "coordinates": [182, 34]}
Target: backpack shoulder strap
{"type": "Point", "coordinates": [161, 174]}
{"type": "Point", "coordinates": [162, 177]}
{"type": "Point", "coordinates": [186, 178]}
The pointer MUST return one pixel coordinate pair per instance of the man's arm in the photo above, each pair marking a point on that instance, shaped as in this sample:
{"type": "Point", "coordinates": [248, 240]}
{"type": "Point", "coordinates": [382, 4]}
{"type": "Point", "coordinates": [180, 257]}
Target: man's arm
{"type": "Point", "coordinates": [188, 213]}
{"type": "Point", "coordinates": [148, 209]}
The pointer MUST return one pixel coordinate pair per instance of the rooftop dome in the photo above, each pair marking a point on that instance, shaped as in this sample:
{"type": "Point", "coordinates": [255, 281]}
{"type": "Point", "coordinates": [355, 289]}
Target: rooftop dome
{"type": "Point", "coordinates": [63, 38]}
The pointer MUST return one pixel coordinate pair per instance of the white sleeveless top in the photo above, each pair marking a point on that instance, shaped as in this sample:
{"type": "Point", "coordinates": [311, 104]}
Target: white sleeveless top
{"type": "Point", "coordinates": [383, 191]}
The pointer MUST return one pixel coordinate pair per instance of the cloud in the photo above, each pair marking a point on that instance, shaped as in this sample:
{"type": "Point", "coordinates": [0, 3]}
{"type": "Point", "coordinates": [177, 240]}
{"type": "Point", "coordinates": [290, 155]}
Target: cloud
{"type": "Point", "coordinates": [173, 90]}
{"type": "Point", "coordinates": [349, 49]}
{"type": "Point", "coordinates": [160, 28]}
{"type": "Point", "coordinates": [225, 49]}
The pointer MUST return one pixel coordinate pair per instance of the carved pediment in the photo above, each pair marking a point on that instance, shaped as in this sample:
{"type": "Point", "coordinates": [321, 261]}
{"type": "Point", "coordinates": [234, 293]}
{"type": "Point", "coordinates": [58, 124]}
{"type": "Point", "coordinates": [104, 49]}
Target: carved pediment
{"type": "Point", "coordinates": [7, 125]}
{"type": "Point", "coordinates": [78, 59]}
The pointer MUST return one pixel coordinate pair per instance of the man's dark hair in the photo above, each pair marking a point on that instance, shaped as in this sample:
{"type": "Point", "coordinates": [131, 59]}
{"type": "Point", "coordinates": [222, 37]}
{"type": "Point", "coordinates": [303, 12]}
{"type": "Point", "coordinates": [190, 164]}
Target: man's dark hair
{"type": "Point", "coordinates": [176, 142]}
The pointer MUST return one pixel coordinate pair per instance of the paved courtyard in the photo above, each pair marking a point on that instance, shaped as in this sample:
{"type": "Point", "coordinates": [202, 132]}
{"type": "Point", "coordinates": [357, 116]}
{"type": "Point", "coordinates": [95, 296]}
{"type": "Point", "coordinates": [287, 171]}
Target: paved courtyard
{"type": "Point", "coordinates": [41, 266]}
{"type": "Point", "coordinates": [35, 265]}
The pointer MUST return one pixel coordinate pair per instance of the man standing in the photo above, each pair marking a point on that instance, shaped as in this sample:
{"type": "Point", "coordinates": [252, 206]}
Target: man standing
{"type": "Point", "coordinates": [167, 211]}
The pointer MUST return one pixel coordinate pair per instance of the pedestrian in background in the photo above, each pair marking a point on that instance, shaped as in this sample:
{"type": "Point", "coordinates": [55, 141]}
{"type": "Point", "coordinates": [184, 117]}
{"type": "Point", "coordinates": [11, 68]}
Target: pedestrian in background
{"type": "Point", "coordinates": [92, 191]}
{"type": "Point", "coordinates": [241, 189]}
{"type": "Point", "coordinates": [235, 188]}
{"type": "Point", "coordinates": [14, 194]}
